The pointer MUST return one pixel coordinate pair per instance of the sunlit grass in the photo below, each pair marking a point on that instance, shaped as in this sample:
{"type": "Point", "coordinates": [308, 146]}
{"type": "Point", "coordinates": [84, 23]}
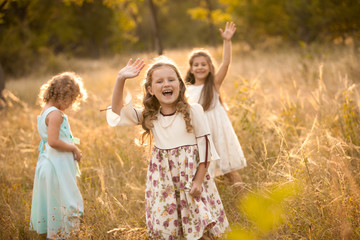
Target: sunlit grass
{"type": "Point", "coordinates": [296, 114]}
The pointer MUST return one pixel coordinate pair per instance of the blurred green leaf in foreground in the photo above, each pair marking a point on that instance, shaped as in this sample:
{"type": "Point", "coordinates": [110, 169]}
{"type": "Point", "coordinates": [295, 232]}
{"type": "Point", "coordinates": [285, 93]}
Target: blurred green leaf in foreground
{"type": "Point", "coordinates": [265, 210]}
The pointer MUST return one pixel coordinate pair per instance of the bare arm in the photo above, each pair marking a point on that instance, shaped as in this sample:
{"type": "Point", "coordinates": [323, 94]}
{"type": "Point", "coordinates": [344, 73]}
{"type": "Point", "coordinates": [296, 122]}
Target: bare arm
{"type": "Point", "coordinates": [226, 35]}
{"type": "Point", "coordinates": [131, 70]}
{"type": "Point", "coordinates": [54, 120]}
{"type": "Point", "coordinates": [198, 180]}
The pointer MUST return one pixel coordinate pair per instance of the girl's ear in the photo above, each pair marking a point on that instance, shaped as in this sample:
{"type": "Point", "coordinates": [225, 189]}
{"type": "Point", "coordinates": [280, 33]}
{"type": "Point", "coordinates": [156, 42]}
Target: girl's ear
{"type": "Point", "coordinates": [150, 90]}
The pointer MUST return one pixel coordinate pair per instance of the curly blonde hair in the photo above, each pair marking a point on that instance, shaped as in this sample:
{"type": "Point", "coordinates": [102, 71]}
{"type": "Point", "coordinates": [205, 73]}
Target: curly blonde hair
{"type": "Point", "coordinates": [151, 103]}
{"type": "Point", "coordinates": [63, 88]}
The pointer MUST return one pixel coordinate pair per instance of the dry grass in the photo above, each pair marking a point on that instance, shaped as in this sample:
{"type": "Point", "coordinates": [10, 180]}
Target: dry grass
{"type": "Point", "coordinates": [297, 117]}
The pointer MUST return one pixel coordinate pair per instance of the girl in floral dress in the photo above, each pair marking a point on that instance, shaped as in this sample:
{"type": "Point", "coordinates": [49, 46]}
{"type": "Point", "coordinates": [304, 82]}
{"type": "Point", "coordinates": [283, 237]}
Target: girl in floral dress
{"type": "Point", "coordinates": [181, 200]}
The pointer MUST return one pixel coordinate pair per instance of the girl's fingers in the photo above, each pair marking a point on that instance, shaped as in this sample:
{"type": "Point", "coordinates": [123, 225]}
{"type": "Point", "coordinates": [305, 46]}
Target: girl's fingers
{"type": "Point", "coordinates": [138, 63]}
{"type": "Point", "coordinates": [141, 66]}
{"type": "Point", "coordinates": [129, 62]}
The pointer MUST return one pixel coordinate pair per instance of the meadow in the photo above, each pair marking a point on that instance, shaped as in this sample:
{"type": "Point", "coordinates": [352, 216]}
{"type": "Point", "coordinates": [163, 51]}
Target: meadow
{"type": "Point", "coordinates": [296, 114]}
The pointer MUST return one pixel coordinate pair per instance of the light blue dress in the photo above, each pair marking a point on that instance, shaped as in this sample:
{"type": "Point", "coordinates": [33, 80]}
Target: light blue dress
{"type": "Point", "coordinates": [57, 203]}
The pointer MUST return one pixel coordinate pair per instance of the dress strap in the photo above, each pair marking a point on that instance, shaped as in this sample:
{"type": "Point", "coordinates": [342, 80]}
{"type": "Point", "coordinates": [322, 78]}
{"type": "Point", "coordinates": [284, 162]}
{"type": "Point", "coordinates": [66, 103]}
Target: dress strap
{"type": "Point", "coordinates": [43, 116]}
{"type": "Point", "coordinates": [42, 145]}
{"type": "Point", "coordinates": [49, 110]}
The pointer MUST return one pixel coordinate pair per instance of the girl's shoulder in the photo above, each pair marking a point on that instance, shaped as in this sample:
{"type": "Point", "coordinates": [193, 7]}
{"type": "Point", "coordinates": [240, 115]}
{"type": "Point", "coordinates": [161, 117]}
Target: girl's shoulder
{"type": "Point", "coordinates": [196, 109]}
{"type": "Point", "coordinates": [51, 110]}
{"type": "Point", "coordinates": [53, 113]}
{"type": "Point", "coordinates": [196, 106]}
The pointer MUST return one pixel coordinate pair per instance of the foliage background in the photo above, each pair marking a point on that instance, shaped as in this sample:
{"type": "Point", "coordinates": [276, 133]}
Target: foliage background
{"type": "Point", "coordinates": [32, 32]}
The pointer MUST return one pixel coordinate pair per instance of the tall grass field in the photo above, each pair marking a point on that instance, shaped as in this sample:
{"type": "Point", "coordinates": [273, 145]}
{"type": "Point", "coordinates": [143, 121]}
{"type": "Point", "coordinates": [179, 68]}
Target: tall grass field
{"type": "Point", "coordinates": [295, 112]}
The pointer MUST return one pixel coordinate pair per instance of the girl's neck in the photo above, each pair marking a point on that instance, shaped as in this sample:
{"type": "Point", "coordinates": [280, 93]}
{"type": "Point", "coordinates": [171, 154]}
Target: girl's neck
{"type": "Point", "coordinates": [167, 110]}
{"type": "Point", "coordinates": [54, 104]}
{"type": "Point", "coordinates": [199, 82]}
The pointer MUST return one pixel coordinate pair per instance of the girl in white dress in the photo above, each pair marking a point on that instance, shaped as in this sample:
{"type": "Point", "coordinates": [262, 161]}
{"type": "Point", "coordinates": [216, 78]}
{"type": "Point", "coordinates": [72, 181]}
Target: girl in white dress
{"type": "Point", "coordinates": [181, 200]}
{"type": "Point", "coordinates": [204, 88]}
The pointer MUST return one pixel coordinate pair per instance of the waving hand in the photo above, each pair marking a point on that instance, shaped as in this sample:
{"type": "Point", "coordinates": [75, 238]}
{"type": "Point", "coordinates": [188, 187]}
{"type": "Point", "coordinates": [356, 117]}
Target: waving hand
{"type": "Point", "coordinates": [229, 31]}
{"type": "Point", "coordinates": [131, 70]}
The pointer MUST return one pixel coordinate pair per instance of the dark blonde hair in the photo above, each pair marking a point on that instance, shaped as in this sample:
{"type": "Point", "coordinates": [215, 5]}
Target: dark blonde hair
{"type": "Point", "coordinates": [66, 87]}
{"type": "Point", "coordinates": [151, 103]}
{"type": "Point", "coordinates": [207, 93]}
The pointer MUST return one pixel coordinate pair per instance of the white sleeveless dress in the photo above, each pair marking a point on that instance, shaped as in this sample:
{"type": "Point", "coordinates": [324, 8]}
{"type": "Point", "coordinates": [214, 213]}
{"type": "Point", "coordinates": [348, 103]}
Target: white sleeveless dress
{"type": "Point", "coordinates": [223, 135]}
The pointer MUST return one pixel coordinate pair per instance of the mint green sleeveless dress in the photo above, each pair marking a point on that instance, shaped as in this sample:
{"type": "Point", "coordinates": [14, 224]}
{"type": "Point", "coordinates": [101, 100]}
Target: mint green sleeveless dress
{"type": "Point", "coordinates": [56, 203]}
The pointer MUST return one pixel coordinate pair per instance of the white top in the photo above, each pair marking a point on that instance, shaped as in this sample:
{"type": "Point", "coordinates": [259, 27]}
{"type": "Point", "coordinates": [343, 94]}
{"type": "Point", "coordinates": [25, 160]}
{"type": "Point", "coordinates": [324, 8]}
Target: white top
{"type": "Point", "coordinates": [223, 135]}
{"type": "Point", "coordinates": [194, 92]}
{"type": "Point", "coordinates": [170, 131]}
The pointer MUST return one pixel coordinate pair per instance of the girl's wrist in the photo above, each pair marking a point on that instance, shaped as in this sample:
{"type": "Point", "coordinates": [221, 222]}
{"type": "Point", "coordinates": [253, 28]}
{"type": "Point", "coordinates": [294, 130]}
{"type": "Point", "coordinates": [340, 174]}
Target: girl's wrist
{"type": "Point", "coordinates": [121, 78]}
{"type": "Point", "coordinates": [73, 148]}
{"type": "Point", "coordinates": [198, 181]}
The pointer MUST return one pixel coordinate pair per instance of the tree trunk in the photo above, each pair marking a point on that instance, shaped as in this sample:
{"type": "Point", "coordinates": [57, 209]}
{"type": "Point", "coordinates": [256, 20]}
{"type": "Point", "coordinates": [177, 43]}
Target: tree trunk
{"type": "Point", "coordinates": [356, 42]}
{"type": "Point", "coordinates": [211, 23]}
{"type": "Point", "coordinates": [155, 28]}
{"type": "Point", "coordinates": [2, 84]}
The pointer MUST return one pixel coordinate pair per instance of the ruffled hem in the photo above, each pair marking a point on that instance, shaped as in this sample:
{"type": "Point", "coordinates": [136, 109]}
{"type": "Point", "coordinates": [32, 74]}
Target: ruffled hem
{"type": "Point", "coordinates": [226, 143]}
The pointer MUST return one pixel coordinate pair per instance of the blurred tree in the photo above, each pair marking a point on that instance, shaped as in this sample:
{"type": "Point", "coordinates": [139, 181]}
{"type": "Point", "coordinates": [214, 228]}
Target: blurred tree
{"type": "Point", "coordinates": [296, 20]}
{"type": "Point", "coordinates": [31, 31]}
{"type": "Point", "coordinates": [155, 28]}
{"type": "Point", "coordinates": [258, 19]}
{"type": "Point", "coordinates": [211, 13]}
{"type": "Point", "coordinates": [306, 20]}
{"type": "Point", "coordinates": [343, 20]}
{"type": "Point", "coordinates": [2, 86]}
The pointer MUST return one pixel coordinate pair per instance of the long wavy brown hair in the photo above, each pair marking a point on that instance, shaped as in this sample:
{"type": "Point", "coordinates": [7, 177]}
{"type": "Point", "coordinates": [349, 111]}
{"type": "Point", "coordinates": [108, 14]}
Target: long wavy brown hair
{"type": "Point", "coordinates": [207, 93]}
{"type": "Point", "coordinates": [64, 88]}
{"type": "Point", "coordinates": [152, 105]}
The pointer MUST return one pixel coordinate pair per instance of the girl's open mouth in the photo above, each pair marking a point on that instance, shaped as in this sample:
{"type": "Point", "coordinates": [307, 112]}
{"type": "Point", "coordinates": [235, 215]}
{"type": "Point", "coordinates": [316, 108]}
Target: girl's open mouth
{"type": "Point", "coordinates": [167, 92]}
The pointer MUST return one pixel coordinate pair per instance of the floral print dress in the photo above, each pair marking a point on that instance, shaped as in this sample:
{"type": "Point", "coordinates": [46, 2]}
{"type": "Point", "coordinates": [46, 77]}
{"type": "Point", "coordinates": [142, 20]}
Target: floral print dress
{"type": "Point", "coordinates": [171, 212]}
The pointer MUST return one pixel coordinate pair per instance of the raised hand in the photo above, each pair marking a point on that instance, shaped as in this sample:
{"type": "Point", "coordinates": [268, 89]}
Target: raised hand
{"type": "Point", "coordinates": [229, 31]}
{"type": "Point", "coordinates": [131, 70]}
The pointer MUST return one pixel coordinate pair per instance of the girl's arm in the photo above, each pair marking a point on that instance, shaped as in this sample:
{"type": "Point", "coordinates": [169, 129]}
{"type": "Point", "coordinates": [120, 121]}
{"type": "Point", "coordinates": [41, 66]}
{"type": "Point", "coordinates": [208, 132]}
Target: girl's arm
{"type": "Point", "coordinates": [54, 120]}
{"type": "Point", "coordinates": [226, 35]}
{"type": "Point", "coordinates": [198, 180]}
{"type": "Point", "coordinates": [131, 70]}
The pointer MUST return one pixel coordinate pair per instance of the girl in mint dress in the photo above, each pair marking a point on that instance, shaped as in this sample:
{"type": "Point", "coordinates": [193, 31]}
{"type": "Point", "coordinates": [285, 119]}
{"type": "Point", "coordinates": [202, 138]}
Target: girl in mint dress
{"type": "Point", "coordinates": [57, 203]}
{"type": "Point", "coordinates": [181, 200]}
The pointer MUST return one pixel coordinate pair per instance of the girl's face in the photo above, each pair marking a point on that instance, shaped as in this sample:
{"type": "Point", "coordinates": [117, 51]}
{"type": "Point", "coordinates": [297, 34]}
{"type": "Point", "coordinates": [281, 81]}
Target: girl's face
{"type": "Point", "coordinates": [165, 86]}
{"type": "Point", "coordinates": [200, 68]}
